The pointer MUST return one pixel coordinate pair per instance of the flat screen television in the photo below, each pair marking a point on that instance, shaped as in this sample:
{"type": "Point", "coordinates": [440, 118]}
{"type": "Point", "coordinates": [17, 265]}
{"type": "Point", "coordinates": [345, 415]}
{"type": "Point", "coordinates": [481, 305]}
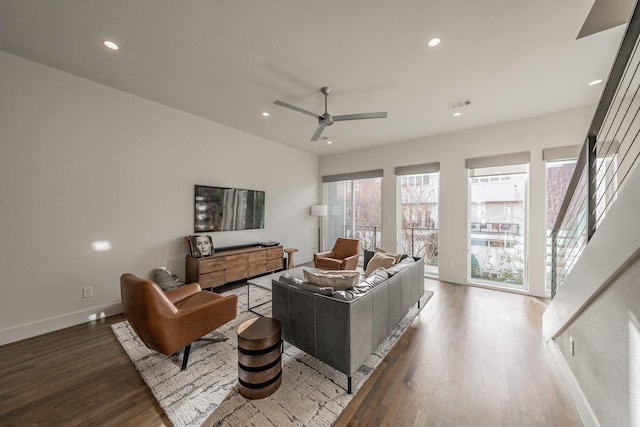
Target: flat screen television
{"type": "Point", "coordinates": [227, 209]}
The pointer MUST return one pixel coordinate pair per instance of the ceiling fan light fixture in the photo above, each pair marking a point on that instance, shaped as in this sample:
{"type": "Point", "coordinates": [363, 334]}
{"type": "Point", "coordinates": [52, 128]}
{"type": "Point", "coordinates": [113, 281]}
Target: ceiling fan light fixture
{"type": "Point", "coordinates": [111, 45]}
{"type": "Point", "coordinates": [434, 42]}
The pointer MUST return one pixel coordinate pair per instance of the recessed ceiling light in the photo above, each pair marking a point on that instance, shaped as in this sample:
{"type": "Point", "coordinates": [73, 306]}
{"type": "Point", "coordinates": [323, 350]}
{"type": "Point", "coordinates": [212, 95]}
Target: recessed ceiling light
{"type": "Point", "coordinates": [111, 45]}
{"type": "Point", "coordinates": [264, 113]}
{"type": "Point", "coordinates": [329, 142]}
{"type": "Point", "coordinates": [434, 42]}
{"type": "Point", "coordinates": [595, 82]}
{"type": "Point", "coordinates": [457, 114]}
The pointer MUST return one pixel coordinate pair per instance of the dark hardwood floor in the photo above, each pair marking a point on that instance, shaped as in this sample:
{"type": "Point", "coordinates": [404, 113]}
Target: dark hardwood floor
{"type": "Point", "coordinates": [473, 357]}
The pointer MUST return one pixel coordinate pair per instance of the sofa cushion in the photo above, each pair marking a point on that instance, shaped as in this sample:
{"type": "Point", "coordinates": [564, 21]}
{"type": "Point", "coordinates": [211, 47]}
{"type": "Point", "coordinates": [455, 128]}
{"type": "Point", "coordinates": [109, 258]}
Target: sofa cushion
{"type": "Point", "coordinates": [375, 279]}
{"type": "Point", "coordinates": [339, 280]}
{"type": "Point", "coordinates": [395, 269]}
{"type": "Point", "coordinates": [377, 261]}
{"type": "Point", "coordinates": [304, 286]}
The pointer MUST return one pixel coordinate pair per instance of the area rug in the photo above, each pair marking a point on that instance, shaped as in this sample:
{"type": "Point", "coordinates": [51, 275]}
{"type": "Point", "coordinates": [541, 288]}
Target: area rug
{"type": "Point", "coordinates": [206, 393]}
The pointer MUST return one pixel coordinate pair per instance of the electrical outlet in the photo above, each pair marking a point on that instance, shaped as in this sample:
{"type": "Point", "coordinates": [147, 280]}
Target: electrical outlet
{"type": "Point", "coordinates": [572, 346]}
{"type": "Point", "coordinates": [87, 292]}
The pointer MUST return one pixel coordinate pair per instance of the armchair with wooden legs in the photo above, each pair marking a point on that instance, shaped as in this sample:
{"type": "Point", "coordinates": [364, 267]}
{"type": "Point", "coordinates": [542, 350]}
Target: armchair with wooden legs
{"type": "Point", "coordinates": [343, 256]}
{"type": "Point", "coordinates": [169, 321]}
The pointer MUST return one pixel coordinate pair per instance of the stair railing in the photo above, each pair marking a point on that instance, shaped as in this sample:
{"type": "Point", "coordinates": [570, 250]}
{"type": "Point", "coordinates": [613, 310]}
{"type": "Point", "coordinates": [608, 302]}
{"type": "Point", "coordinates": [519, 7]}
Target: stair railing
{"type": "Point", "coordinates": [608, 157]}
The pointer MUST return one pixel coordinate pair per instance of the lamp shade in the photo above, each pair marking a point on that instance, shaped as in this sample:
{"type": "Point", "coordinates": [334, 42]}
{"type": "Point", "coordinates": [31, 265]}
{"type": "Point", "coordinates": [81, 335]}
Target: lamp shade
{"type": "Point", "coordinates": [319, 210]}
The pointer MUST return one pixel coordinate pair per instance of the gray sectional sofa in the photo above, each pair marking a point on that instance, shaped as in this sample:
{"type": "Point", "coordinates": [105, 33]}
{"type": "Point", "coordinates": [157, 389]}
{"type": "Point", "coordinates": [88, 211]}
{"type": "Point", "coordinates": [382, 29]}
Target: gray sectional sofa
{"type": "Point", "coordinates": [344, 330]}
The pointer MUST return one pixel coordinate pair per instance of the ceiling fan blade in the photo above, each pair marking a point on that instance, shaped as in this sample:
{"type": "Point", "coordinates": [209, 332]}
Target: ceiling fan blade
{"type": "Point", "coordinates": [359, 116]}
{"type": "Point", "coordinates": [298, 109]}
{"type": "Point", "coordinates": [317, 133]}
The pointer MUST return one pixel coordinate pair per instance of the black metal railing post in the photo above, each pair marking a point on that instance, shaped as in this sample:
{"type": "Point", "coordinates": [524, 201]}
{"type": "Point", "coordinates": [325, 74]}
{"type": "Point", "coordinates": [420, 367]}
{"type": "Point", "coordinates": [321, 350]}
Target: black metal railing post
{"type": "Point", "coordinates": [592, 166]}
{"type": "Point", "coordinates": [412, 242]}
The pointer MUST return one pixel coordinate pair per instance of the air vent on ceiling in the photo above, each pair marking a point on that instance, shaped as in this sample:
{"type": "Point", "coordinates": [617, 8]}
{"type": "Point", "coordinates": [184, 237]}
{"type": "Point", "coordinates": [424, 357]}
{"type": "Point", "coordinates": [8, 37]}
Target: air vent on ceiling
{"type": "Point", "coordinates": [459, 104]}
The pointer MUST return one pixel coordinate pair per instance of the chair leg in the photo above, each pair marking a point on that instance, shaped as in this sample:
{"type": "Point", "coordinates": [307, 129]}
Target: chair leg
{"type": "Point", "coordinates": [349, 385]}
{"type": "Point", "coordinates": [185, 358]}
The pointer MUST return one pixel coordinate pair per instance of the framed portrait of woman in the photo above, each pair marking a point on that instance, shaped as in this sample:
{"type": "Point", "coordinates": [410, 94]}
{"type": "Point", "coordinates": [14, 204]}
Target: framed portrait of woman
{"type": "Point", "coordinates": [201, 246]}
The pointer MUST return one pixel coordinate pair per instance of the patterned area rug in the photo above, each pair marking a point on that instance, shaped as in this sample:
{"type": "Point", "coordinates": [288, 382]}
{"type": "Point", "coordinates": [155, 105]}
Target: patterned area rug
{"type": "Point", "coordinates": [206, 393]}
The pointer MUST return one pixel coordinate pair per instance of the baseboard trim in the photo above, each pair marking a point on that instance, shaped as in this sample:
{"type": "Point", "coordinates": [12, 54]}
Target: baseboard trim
{"type": "Point", "coordinates": [575, 392]}
{"type": "Point", "coordinates": [29, 330]}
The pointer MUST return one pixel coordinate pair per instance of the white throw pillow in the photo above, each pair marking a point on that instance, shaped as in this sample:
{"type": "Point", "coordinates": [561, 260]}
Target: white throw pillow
{"type": "Point", "coordinates": [339, 280]}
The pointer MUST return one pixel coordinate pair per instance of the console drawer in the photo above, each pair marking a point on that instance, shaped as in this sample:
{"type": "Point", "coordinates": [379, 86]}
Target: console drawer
{"type": "Point", "coordinates": [210, 280]}
{"type": "Point", "coordinates": [211, 264]}
{"type": "Point", "coordinates": [273, 253]}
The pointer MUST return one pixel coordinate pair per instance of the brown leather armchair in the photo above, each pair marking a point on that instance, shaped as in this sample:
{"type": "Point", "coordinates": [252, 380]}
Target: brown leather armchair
{"type": "Point", "coordinates": [343, 256]}
{"type": "Point", "coordinates": [169, 321]}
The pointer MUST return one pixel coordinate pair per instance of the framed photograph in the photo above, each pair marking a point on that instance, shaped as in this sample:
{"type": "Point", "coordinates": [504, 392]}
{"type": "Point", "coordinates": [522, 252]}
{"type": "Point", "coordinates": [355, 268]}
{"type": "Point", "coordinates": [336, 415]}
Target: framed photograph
{"type": "Point", "coordinates": [201, 246]}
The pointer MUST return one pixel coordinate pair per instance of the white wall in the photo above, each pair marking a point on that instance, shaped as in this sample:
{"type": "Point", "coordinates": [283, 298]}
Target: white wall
{"type": "Point", "coordinates": [81, 162]}
{"type": "Point", "coordinates": [451, 150]}
{"type": "Point", "coordinates": [607, 351]}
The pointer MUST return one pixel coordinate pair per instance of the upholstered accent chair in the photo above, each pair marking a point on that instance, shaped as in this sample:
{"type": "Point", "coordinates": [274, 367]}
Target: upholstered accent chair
{"type": "Point", "coordinates": [343, 256]}
{"type": "Point", "coordinates": [169, 321]}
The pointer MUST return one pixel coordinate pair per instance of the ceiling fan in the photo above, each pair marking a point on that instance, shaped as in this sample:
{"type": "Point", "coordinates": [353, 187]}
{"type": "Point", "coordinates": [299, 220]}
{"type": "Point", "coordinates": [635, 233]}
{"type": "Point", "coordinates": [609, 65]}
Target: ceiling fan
{"type": "Point", "coordinates": [326, 119]}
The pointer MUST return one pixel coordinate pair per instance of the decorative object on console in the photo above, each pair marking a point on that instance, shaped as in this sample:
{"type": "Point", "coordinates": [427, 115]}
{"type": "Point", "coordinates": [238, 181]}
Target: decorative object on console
{"type": "Point", "coordinates": [201, 246]}
{"type": "Point", "coordinates": [228, 209]}
{"type": "Point", "coordinates": [343, 256]}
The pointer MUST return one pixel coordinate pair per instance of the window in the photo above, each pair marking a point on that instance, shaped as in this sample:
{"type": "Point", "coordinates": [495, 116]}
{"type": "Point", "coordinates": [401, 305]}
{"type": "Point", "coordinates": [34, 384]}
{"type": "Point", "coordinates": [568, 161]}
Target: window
{"type": "Point", "coordinates": [418, 207]}
{"type": "Point", "coordinates": [355, 211]}
{"type": "Point", "coordinates": [498, 220]}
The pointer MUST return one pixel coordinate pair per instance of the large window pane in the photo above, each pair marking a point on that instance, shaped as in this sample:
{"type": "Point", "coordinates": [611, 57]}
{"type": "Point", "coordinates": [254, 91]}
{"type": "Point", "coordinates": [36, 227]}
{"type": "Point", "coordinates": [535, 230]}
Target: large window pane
{"type": "Point", "coordinates": [497, 234]}
{"type": "Point", "coordinates": [355, 211]}
{"type": "Point", "coordinates": [419, 229]}
{"type": "Point", "coordinates": [558, 178]}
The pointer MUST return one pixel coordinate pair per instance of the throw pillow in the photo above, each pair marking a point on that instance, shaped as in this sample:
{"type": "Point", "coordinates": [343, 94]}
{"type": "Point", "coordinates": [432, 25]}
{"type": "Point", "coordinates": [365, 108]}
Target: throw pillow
{"type": "Point", "coordinates": [396, 257]}
{"type": "Point", "coordinates": [379, 260]}
{"type": "Point", "coordinates": [166, 280]}
{"type": "Point", "coordinates": [367, 257]}
{"type": "Point", "coordinates": [339, 280]}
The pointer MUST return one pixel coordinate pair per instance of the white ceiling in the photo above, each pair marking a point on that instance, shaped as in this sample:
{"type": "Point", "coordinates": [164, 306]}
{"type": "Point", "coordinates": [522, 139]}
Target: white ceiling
{"type": "Point", "coordinates": [229, 60]}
